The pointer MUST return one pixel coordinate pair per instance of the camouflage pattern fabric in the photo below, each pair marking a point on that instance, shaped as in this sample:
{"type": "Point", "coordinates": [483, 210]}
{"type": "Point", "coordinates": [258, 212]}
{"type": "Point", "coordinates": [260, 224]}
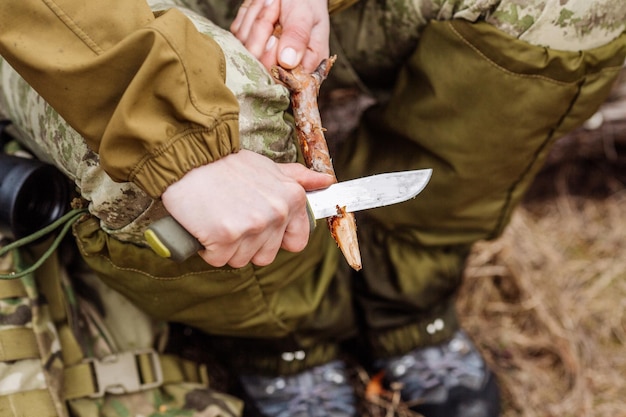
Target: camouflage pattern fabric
{"type": "Point", "coordinates": [390, 31]}
{"type": "Point", "coordinates": [93, 324]}
{"type": "Point", "coordinates": [375, 37]}
{"type": "Point", "coordinates": [123, 208]}
{"type": "Point", "coordinates": [46, 325]}
{"type": "Point", "coordinates": [558, 24]}
{"type": "Point", "coordinates": [568, 25]}
{"type": "Point", "coordinates": [20, 316]}
{"type": "Point", "coordinates": [170, 401]}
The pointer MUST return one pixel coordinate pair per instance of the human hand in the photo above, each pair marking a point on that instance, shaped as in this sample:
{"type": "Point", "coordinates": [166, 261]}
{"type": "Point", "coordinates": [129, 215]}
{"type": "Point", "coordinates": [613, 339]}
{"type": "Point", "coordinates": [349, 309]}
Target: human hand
{"type": "Point", "coordinates": [244, 207]}
{"type": "Point", "coordinates": [304, 31]}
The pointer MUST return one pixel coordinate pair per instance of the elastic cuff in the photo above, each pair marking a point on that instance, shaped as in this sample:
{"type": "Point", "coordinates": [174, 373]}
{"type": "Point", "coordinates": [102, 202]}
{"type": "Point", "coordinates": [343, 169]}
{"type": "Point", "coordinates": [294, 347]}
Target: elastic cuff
{"type": "Point", "coordinates": [285, 363]}
{"type": "Point", "coordinates": [191, 149]}
{"type": "Point", "coordinates": [436, 328]}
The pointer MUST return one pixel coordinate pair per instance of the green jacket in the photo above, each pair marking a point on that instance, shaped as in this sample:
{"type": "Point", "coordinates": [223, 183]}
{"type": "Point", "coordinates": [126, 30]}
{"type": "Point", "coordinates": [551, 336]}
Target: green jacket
{"type": "Point", "coordinates": [147, 91]}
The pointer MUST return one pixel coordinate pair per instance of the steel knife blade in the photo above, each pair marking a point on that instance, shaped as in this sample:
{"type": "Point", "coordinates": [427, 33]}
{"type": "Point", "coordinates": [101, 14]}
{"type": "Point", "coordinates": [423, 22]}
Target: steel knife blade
{"type": "Point", "coordinates": [170, 240]}
{"type": "Point", "coordinates": [368, 192]}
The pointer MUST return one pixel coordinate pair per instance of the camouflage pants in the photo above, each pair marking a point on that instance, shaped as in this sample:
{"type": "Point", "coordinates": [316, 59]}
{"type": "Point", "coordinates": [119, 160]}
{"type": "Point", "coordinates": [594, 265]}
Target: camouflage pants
{"type": "Point", "coordinates": [480, 103]}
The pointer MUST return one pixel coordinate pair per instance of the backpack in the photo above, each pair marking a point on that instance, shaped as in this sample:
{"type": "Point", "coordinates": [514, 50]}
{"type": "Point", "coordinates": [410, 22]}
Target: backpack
{"type": "Point", "coordinates": [71, 346]}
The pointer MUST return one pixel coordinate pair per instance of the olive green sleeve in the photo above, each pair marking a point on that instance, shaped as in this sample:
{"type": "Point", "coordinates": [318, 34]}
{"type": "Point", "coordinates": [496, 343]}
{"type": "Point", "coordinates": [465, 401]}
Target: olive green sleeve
{"type": "Point", "coordinates": [147, 92]}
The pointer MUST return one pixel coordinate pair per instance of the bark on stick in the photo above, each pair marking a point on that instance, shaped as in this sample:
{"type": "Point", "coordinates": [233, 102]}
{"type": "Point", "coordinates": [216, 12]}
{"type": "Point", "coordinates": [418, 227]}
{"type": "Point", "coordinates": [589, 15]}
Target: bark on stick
{"type": "Point", "coordinates": [304, 88]}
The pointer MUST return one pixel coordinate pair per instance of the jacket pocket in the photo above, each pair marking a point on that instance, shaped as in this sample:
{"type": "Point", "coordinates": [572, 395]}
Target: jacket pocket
{"type": "Point", "coordinates": [224, 301]}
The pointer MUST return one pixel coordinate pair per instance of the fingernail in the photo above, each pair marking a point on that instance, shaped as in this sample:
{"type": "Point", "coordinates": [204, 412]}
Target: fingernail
{"type": "Point", "coordinates": [268, 2]}
{"type": "Point", "coordinates": [270, 43]}
{"type": "Point", "coordinates": [288, 56]}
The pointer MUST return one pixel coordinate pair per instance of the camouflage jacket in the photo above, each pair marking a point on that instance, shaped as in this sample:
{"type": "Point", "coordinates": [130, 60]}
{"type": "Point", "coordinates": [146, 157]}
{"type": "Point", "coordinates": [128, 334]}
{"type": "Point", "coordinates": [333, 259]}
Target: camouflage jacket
{"type": "Point", "coordinates": [138, 128]}
{"type": "Point", "coordinates": [148, 92]}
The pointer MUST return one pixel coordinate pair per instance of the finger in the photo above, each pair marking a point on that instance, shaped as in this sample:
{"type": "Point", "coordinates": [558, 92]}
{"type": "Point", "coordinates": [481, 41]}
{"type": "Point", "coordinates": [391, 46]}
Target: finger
{"type": "Point", "coordinates": [307, 178]}
{"type": "Point", "coordinates": [241, 13]}
{"type": "Point", "coordinates": [243, 255]}
{"type": "Point", "coordinates": [268, 57]}
{"type": "Point", "coordinates": [221, 243]}
{"type": "Point", "coordinates": [218, 256]}
{"type": "Point", "coordinates": [293, 42]}
{"type": "Point", "coordinates": [261, 244]}
{"type": "Point", "coordinates": [318, 48]}
{"type": "Point", "coordinates": [248, 244]}
{"type": "Point", "coordinates": [250, 19]}
{"type": "Point", "coordinates": [297, 232]}
{"type": "Point", "coordinates": [258, 40]}
{"type": "Point", "coordinates": [298, 24]}
{"type": "Point", "coordinates": [268, 251]}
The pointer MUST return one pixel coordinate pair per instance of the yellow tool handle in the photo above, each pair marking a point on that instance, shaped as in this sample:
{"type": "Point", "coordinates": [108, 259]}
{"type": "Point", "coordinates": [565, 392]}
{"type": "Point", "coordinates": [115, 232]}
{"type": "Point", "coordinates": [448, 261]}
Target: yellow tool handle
{"type": "Point", "coordinates": [170, 240]}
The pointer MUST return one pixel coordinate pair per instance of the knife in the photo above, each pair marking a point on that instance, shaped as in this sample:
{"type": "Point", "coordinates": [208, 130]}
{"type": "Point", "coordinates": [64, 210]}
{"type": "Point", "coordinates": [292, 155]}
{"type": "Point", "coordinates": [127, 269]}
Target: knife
{"type": "Point", "coordinates": [170, 240]}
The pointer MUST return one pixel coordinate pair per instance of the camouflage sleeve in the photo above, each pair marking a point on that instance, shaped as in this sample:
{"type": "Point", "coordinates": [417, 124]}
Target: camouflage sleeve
{"type": "Point", "coordinates": [148, 94]}
{"type": "Point", "coordinates": [568, 25]}
{"type": "Point", "coordinates": [122, 207]}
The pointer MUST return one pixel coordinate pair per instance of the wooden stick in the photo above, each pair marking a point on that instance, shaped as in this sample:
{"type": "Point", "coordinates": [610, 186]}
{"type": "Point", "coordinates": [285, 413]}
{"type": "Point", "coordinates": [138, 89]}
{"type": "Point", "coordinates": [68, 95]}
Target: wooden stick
{"type": "Point", "coordinates": [304, 88]}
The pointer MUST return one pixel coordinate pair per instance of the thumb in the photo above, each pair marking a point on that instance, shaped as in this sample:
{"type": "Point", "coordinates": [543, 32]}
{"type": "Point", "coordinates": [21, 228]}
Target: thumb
{"type": "Point", "coordinates": [292, 45]}
{"type": "Point", "coordinates": [307, 178]}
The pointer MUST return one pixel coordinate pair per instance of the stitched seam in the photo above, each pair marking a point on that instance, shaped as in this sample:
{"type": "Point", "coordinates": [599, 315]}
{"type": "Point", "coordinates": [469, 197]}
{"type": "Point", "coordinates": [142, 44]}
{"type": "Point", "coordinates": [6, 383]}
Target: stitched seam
{"type": "Point", "coordinates": [498, 67]}
{"type": "Point", "coordinates": [270, 313]}
{"type": "Point", "coordinates": [268, 310]}
{"type": "Point", "coordinates": [144, 273]}
{"type": "Point", "coordinates": [226, 117]}
{"type": "Point", "coordinates": [509, 72]}
{"type": "Point", "coordinates": [506, 209]}
{"type": "Point", "coordinates": [73, 26]}
{"type": "Point", "coordinates": [178, 56]}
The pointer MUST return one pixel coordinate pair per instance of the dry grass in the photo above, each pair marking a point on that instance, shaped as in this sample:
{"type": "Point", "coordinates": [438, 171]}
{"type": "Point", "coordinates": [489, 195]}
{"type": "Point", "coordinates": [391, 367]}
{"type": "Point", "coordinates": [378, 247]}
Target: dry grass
{"type": "Point", "coordinates": [545, 303]}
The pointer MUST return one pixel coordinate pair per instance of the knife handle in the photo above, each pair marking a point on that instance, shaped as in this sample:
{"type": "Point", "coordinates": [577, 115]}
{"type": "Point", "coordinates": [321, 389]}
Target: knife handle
{"type": "Point", "coordinates": [169, 239]}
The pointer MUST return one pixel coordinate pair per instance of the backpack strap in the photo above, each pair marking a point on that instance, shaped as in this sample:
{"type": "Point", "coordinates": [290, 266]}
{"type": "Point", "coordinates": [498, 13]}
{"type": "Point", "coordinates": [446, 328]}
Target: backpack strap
{"type": "Point", "coordinates": [129, 372]}
{"type": "Point", "coordinates": [27, 403]}
{"type": "Point", "coordinates": [27, 394]}
{"type": "Point", "coordinates": [17, 344]}
{"type": "Point", "coordinates": [12, 289]}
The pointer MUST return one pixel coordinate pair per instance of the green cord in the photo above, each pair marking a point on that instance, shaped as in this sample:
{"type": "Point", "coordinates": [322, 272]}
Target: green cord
{"type": "Point", "coordinates": [66, 221]}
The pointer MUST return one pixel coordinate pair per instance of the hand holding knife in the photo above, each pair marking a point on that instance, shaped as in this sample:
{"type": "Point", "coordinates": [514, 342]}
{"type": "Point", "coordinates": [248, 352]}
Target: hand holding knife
{"type": "Point", "coordinates": [170, 240]}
